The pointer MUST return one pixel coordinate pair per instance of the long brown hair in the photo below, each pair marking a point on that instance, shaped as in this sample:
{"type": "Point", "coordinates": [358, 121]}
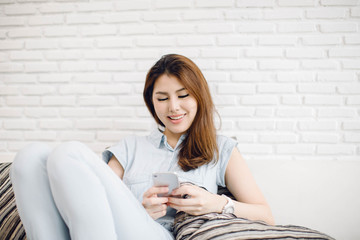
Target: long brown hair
{"type": "Point", "coordinates": [199, 147]}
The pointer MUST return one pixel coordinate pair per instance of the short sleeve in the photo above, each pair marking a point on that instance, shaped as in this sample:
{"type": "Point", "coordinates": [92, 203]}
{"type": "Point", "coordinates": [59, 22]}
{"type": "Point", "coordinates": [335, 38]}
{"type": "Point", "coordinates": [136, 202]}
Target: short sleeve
{"type": "Point", "coordinates": [120, 151]}
{"type": "Point", "coordinates": [226, 146]}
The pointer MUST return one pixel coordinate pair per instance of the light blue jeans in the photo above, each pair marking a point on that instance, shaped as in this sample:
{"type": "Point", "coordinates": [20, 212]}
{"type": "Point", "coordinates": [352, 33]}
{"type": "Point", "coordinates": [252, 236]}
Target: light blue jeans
{"type": "Point", "coordinates": [70, 193]}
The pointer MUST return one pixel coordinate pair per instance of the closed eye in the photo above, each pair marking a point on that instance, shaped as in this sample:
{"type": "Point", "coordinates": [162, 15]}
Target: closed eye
{"type": "Point", "coordinates": [184, 96]}
{"type": "Point", "coordinates": [162, 99]}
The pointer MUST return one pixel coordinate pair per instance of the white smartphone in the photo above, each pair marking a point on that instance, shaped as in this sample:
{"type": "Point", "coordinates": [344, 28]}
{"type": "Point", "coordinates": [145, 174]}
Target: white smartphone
{"type": "Point", "coordinates": [166, 179]}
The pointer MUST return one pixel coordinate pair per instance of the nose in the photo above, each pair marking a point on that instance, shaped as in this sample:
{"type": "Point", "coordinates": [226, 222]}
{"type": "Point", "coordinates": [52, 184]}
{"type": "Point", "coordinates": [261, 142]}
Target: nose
{"type": "Point", "coordinates": [173, 105]}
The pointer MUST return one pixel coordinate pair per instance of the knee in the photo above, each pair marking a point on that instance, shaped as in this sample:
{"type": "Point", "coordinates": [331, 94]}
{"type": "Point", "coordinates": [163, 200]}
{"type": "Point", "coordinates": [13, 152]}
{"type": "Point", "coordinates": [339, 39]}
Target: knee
{"type": "Point", "coordinates": [30, 159]}
{"type": "Point", "coordinates": [64, 155]}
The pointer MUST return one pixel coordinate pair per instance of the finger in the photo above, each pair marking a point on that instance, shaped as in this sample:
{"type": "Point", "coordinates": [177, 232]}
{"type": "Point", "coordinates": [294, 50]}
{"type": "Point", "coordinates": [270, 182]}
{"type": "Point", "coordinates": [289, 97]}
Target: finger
{"type": "Point", "coordinates": [155, 190]}
{"type": "Point", "coordinates": [147, 202]}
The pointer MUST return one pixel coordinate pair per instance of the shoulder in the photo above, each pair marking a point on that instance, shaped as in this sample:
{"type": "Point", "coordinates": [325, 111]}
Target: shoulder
{"type": "Point", "coordinates": [224, 141]}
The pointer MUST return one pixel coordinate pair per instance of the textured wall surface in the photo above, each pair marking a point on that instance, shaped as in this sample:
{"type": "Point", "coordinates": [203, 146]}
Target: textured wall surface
{"type": "Point", "coordinates": [284, 74]}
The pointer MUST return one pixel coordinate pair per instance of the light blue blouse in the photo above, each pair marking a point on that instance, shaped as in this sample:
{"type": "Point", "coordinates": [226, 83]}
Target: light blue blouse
{"type": "Point", "coordinates": [141, 156]}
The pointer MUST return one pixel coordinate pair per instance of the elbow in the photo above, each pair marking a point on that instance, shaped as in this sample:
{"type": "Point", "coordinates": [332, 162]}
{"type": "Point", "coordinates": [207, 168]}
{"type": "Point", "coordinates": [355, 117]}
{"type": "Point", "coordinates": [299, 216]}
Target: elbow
{"type": "Point", "coordinates": [269, 218]}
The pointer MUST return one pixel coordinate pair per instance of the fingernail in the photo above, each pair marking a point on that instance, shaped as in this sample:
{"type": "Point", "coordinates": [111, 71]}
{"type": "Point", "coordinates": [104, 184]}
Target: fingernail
{"type": "Point", "coordinates": [186, 196]}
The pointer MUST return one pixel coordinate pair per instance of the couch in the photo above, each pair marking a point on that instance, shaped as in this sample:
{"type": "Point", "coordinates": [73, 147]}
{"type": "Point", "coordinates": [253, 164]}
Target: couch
{"type": "Point", "coordinates": [206, 226]}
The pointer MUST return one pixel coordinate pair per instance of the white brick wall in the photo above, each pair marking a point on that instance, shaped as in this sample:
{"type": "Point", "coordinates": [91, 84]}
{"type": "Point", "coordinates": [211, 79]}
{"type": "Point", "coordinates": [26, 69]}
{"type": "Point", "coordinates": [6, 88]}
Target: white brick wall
{"type": "Point", "coordinates": [285, 74]}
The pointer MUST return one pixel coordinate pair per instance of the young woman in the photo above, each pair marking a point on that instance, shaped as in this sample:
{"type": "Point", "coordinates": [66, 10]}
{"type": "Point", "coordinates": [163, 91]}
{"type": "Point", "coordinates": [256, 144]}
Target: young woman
{"type": "Point", "coordinates": [69, 193]}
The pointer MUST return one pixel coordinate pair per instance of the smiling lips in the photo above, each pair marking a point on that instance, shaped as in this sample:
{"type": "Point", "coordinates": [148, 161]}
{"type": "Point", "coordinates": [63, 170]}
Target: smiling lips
{"type": "Point", "coordinates": [176, 118]}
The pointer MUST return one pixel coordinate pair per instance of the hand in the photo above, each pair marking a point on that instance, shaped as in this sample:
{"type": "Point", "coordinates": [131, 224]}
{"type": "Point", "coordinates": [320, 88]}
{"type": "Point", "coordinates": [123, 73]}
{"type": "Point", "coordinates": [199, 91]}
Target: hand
{"type": "Point", "coordinates": [199, 200]}
{"type": "Point", "coordinates": [154, 205]}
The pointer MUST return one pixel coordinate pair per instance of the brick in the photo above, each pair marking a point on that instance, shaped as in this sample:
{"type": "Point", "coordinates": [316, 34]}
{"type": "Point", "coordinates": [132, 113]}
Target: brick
{"type": "Point", "coordinates": [12, 21]}
{"type": "Point", "coordinates": [344, 52]}
{"type": "Point", "coordinates": [255, 3]}
{"type": "Point", "coordinates": [255, 149]}
{"type": "Point", "coordinates": [323, 100]}
{"type": "Point", "coordinates": [18, 78]}
{"type": "Point", "coordinates": [98, 30]}
{"type": "Point", "coordinates": [11, 45]}
{"type": "Point", "coordinates": [101, 54]}
{"type": "Point", "coordinates": [115, 112]}
{"type": "Point", "coordinates": [164, 4]}
{"type": "Point", "coordinates": [82, 18]}
{"type": "Point", "coordinates": [58, 101]}
{"type": "Point", "coordinates": [155, 41]}
{"type": "Point", "coordinates": [237, 64]}
{"type": "Point", "coordinates": [277, 40]}
{"type": "Point", "coordinates": [77, 136]}
{"type": "Point", "coordinates": [214, 3]}
{"type": "Point", "coordinates": [320, 64]}
{"type": "Point", "coordinates": [40, 112]}
{"type": "Point", "coordinates": [113, 89]}
{"type": "Point", "coordinates": [336, 76]}
{"type": "Point", "coordinates": [264, 52]}
{"type": "Point", "coordinates": [11, 135]}
{"type": "Point", "coordinates": [256, 125]}
{"type": "Point", "coordinates": [295, 112]}
{"type": "Point", "coordinates": [305, 53]}
{"type": "Point", "coordinates": [195, 41]}
{"type": "Point", "coordinates": [351, 125]}
{"type": "Point", "coordinates": [132, 125]}
{"type": "Point", "coordinates": [297, 3]}
{"type": "Point", "coordinates": [116, 66]}
{"type": "Point", "coordinates": [260, 100]}
{"type": "Point", "coordinates": [321, 40]}
{"type": "Point", "coordinates": [25, 33]}
{"type": "Point", "coordinates": [339, 2]}
{"type": "Point", "coordinates": [10, 112]}
{"type": "Point", "coordinates": [349, 88]}
{"type": "Point", "coordinates": [211, 76]}
{"type": "Point", "coordinates": [45, 20]}
{"type": "Point", "coordinates": [236, 111]}
{"type": "Point", "coordinates": [264, 112]}
{"type": "Point", "coordinates": [332, 149]}
{"type": "Point", "coordinates": [77, 43]}
{"type": "Point", "coordinates": [41, 67]}
{"type": "Point", "coordinates": [221, 100]}
{"type": "Point", "coordinates": [351, 64]}
{"type": "Point", "coordinates": [57, 8]}
{"type": "Point", "coordinates": [41, 44]}
{"type": "Point", "coordinates": [11, 67]}
{"type": "Point", "coordinates": [92, 77]}
{"type": "Point", "coordinates": [22, 101]}
{"type": "Point", "coordinates": [76, 89]}
{"type": "Point", "coordinates": [296, 27]}
{"type": "Point", "coordinates": [355, 12]}
{"type": "Point", "coordinates": [256, 28]}
{"type": "Point", "coordinates": [62, 31]}
{"type": "Point", "coordinates": [56, 124]}
{"type": "Point", "coordinates": [201, 15]}
{"type": "Point", "coordinates": [295, 148]}
{"type": "Point", "coordinates": [19, 124]}
{"type": "Point", "coordinates": [23, 9]}
{"type": "Point", "coordinates": [230, 88]}
{"type": "Point", "coordinates": [352, 137]}
{"type": "Point", "coordinates": [74, 66]}
{"type": "Point", "coordinates": [94, 124]}
{"type": "Point", "coordinates": [326, 13]}
{"type": "Point", "coordinates": [353, 100]}
{"type": "Point", "coordinates": [317, 125]}
{"type": "Point", "coordinates": [352, 40]}
{"type": "Point", "coordinates": [215, 28]}
{"type": "Point", "coordinates": [339, 112]}
{"type": "Point", "coordinates": [97, 101]}
{"type": "Point", "coordinates": [250, 77]}
{"type": "Point", "coordinates": [8, 90]}
{"type": "Point", "coordinates": [114, 42]}
{"type": "Point", "coordinates": [112, 135]}
{"type": "Point", "coordinates": [38, 90]}
{"type": "Point", "coordinates": [94, 6]}
{"type": "Point", "coordinates": [54, 77]}
{"type": "Point", "coordinates": [130, 77]}
{"type": "Point", "coordinates": [248, 14]}
{"type": "Point", "coordinates": [63, 55]}
{"type": "Point", "coordinates": [174, 28]}
{"type": "Point", "coordinates": [75, 112]}
{"type": "Point", "coordinates": [219, 53]}
{"type": "Point", "coordinates": [40, 135]}
{"type": "Point", "coordinates": [288, 13]}
{"type": "Point", "coordinates": [319, 138]}
{"type": "Point", "coordinates": [285, 125]}
{"type": "Point", "coordinates": [276, 88]}
{"type": "Point", "coordinates": [26, 55]}
{"type": "Point", "coordinates": [338, 27]}
{"type": "Point", "coordinates": [121, 17]}
{"type": "Point", "coordinates": [277, 138]}
{"type": "Point", "coordinates": [291, 100]}
{"type": "Point", "coordinates": [160, 16]}
{"type": "Point", "coordinates": [132, 5]}
{"type": "Point", "coordinates": [316, 88]}
{"type": "Point", "coordinates": [137, 29]}
{"type": "Point", "coordinates": [231, 40]}
{"type": "Point", "coordinates": [277, 64]}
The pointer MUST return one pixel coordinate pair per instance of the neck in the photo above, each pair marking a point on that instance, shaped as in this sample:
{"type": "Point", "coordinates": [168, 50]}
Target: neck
{"type": "Point", "coordinates": [172, 138]}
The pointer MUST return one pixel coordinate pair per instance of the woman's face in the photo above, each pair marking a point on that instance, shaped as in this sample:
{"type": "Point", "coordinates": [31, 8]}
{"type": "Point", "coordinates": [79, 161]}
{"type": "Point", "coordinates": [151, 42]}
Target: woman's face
{"type": "Point", "coordinates": [174, 106]}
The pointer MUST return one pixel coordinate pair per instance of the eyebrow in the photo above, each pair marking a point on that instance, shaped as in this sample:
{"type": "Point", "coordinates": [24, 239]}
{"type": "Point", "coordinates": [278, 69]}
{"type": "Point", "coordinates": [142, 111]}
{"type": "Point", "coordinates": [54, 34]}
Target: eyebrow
{"type": "Point", "coordinates": [165, 93]}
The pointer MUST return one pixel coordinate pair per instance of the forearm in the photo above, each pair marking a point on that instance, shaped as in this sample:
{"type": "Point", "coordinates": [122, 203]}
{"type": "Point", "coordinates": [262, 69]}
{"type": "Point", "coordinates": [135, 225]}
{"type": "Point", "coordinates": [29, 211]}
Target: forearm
{"type": "Point", "coordinates": [254, 212]}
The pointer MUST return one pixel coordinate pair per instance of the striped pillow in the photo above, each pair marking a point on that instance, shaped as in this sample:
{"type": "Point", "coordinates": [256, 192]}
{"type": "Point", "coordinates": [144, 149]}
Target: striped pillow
{"type": "Point", "coordinates": [10, 223]}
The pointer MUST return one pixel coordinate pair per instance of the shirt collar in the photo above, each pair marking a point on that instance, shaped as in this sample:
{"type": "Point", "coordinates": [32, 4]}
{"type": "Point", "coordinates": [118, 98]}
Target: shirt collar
{"type": "Point", "coordinates": [159, 139]}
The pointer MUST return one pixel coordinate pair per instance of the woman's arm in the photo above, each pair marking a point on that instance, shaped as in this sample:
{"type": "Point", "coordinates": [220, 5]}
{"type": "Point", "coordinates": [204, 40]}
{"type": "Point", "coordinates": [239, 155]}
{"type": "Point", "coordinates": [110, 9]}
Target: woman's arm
{"type": "Point", "coordinates": [115, 165]}
{"type": "Point", "coordinates": [251, 203]}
